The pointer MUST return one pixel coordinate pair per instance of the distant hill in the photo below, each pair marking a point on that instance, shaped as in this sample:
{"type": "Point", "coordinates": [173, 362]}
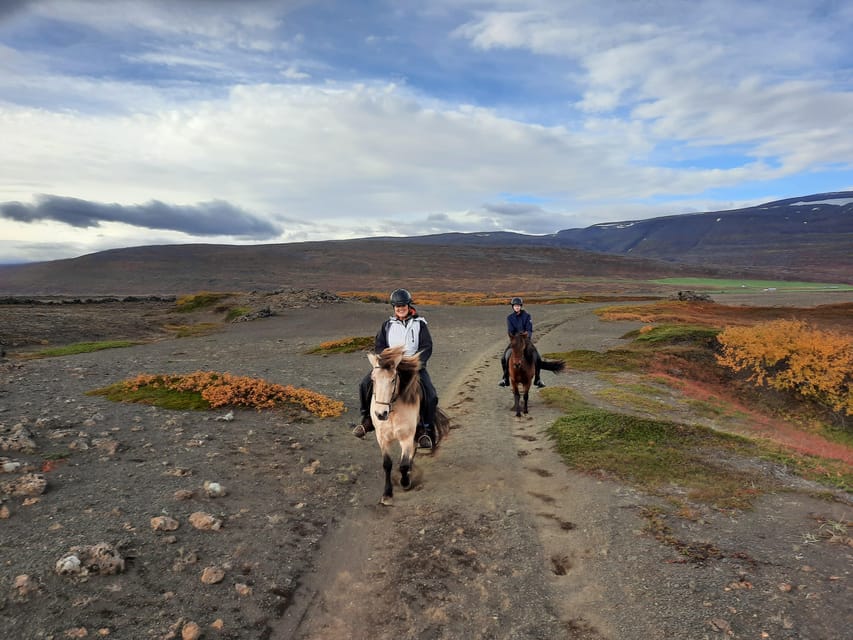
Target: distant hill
{"type": "Point", "coordinates": [805, 238]}
{"type": "Point", "coordinates": [808, 238]}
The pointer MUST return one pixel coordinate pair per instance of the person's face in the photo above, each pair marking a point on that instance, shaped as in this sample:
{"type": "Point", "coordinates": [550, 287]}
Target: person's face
{"type": "Point", "coordinates": [516, 308]}
{"type": "Point", "coordinates": [401, 311]}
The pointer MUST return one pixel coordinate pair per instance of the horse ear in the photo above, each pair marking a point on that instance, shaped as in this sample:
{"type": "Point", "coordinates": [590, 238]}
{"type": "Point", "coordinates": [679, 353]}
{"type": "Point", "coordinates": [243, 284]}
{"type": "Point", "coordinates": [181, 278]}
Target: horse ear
{"type": "Point", "coordinates": [374, 359]}
{"type": "Point", "coordinates": [398, 357]}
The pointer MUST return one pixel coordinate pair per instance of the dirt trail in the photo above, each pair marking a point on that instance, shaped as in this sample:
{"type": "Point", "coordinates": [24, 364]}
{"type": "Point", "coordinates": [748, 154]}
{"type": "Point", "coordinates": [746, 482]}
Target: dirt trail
{"type": "Point", "coordinates": [501, 540]}
{"type": "Point", "coordinates": [490, 544]}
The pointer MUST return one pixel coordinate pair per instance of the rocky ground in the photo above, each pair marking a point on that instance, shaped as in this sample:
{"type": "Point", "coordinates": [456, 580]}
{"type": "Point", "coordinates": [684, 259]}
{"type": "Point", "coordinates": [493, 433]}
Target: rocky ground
{"type": "Point", "coordinates": [268, 525]}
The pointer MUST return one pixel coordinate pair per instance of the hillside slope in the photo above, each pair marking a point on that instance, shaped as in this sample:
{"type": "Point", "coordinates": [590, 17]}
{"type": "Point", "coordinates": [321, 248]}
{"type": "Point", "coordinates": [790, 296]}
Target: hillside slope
{"type": "Point", "coordinates": [808, 238]}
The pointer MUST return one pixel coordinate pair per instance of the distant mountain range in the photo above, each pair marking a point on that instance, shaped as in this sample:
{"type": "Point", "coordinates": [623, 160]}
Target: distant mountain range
{"type": "Point", "coordinates": [809, 238]}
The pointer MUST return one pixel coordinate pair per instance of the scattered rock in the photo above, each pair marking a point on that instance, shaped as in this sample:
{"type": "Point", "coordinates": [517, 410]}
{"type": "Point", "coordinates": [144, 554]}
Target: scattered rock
{"type": "Point", "coordinates": [25, 586]}
{"type": "Point", "coordinates": [100, 558]}
{"type": "Point", "coordinates": [164, 523]}
{"type": "Point", "coordinates": [205, 521]}
{"type": "Point", "coordinates": [312, 468]}
{"type": "Point", "coordinates": [17, 438]}
{"type": "Point", "coordinates": [30, 484]}
{"type": "Point", "coordinates": [190, 631]}
{"type": "Point", "coordinates": [107, 445]}
{"type": "Point", "coordinates": [214, 489]}
{"type": "Point", "coordinates": [691, 296]}
{"type": "Point", "coordinates": [212, 575]}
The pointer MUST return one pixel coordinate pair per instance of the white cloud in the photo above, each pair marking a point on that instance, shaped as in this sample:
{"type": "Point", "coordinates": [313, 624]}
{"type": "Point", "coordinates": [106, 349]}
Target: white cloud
{"type": "Point", "coordinates": [355, 126]}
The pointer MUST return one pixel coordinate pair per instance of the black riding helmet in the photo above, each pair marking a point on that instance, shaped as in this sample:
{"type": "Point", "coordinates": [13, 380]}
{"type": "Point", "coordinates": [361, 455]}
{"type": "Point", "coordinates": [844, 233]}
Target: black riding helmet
{"type": "Point", "coordinates": [400, 297]}
{"type": "Point", "coordinates": [516, 300]}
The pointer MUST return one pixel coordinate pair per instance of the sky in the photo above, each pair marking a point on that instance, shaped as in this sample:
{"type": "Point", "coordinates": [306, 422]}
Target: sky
{"type": "Point", "coordinates": [140, 122]}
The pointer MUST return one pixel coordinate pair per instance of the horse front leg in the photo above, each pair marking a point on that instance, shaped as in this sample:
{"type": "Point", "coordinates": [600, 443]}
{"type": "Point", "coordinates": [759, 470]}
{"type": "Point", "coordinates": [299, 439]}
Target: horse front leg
{"type": "Point", "coordinates": [388, 495]}
{"type": "Point", "coordinates": [516, 396]}
{"type": "Point", "coordinates": [526, 394]}
{"type": "Point", "coordinates": [407, 459]}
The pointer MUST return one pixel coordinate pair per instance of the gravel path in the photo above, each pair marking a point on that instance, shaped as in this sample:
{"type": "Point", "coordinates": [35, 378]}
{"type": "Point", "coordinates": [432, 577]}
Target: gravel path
{"type": "Point", "coordinates": [499, 539]}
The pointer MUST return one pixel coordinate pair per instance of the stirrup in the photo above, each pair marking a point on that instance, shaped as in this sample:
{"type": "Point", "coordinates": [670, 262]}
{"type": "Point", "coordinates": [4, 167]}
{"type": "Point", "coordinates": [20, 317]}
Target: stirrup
{"type": "Point", "coordinates": [359, 431]}
{"type": "Point", "coordinates": [539, 383]}
{"type": "Point", "coordinates": [424, 442]}
{"type": "Point", "coordinates": [503, 383]}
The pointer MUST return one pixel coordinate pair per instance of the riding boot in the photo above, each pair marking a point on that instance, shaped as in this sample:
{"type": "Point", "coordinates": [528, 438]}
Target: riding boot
{"type": "Point", "coordinates": [505, 365]}
{"type": "Point", "coordinates": [427, 439]}
{"type": "Point", "coordinates": [536, 380]}
{"type": "Point", "coordinates": [364, 428]}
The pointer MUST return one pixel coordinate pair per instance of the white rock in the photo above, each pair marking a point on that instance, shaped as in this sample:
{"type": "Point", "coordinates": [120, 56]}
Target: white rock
{"type": "Point", "coordinates": [214, 489]}
{"type": "Point", "coordinates": [67, 565]}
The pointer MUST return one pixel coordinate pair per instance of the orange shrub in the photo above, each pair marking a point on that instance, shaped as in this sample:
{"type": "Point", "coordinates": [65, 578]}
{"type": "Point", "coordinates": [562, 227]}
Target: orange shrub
{"type": "Point", "coordinates": [224, 389]}
{"type": "Point", "coordinates": [792, 355]}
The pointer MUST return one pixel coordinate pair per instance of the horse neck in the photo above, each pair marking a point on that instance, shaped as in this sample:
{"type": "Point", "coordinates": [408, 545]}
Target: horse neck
{"type": "Point", "coordinates": [409, 390]}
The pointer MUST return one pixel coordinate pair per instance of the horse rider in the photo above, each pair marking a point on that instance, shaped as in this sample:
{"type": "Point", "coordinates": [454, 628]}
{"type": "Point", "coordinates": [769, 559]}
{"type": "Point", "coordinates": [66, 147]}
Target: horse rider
{"type": "Point", "coordinates": [406, 328]}
{"type": "Point", "coordinates": [516, 322]}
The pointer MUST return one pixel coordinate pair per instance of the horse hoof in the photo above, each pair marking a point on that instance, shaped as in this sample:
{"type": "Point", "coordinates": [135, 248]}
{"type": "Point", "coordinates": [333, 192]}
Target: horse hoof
{"type": "Point", "coordinates": [388, 501]}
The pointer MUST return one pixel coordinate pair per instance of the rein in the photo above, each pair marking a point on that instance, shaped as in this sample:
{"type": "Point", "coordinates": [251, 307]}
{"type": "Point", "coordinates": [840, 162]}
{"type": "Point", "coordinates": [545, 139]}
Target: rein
{"type": "Point", "coordinates": [394, 394]}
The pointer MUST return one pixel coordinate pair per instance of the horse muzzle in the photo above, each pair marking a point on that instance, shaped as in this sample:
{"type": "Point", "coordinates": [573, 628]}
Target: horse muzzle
{"type": "Point", "coordinates": [382, 416]}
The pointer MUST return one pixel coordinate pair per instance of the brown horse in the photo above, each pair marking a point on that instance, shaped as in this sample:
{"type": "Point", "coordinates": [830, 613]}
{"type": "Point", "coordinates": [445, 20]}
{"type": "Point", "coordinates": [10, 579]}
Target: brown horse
{"type": "Point", "coordinates": [395, 408]}
{"type": "Point", "coordinates": [522, 369]}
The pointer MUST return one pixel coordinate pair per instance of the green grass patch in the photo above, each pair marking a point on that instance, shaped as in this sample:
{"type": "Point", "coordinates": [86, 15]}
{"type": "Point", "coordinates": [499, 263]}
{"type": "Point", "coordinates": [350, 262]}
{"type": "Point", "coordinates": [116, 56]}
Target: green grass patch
{"type": "Point", "coordinates": [345, 345]}
{"type": "Point", "coordinates": [79, 347]}
{"type": "Point", "coordinates": [643, 401]}
{"type": "Point", "coordinates": [653, 454]}
{"type": "Point", "coordinates": [659, 455]}
{"type": "Point", "coordinates": [154, 395]}
{"type": "Point", "coordinates": [201, 300]}
{"type": "Point", "coordinates": [587, 360]}
{"type": "Point", "coordinates": [56, 455]}
{"type": "Point", "coordinates": [750, 286]}
{"type": "Point", "coordinates": [669, 334]}
{"type": "Point", "coordinates": [236, 312]}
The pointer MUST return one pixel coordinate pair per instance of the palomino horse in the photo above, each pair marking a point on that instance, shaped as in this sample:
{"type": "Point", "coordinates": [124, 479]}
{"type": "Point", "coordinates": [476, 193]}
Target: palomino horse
{"type": "Point", "coordinates": [395, 408]}
{"type": "Point", "coordinates": [522, 369]}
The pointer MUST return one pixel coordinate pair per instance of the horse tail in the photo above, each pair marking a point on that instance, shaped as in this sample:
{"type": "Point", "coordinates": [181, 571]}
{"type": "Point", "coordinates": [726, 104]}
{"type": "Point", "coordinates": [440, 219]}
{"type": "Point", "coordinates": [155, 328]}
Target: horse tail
{"type": "Point", "coordinates": [553, 365]}
{"type": "Point", "coordinates": [442, 425]}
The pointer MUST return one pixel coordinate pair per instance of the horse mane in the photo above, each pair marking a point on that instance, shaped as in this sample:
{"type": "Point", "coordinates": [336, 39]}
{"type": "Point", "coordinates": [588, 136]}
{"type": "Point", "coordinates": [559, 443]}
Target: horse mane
{"type": "Point", "coordinates": [526, 345]}
{"type": "Point", "coordinates": [408, 370]}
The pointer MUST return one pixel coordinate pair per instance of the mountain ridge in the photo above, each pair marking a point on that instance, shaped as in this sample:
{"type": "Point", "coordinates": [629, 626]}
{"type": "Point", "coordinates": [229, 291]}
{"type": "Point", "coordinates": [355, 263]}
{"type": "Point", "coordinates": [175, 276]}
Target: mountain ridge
{"type": "Point", "coordinates": [805, 238]}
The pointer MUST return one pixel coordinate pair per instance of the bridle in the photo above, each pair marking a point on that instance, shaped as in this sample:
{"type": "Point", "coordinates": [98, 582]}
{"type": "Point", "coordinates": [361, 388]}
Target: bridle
{"type": "Point", "coordinates": [394, 394]}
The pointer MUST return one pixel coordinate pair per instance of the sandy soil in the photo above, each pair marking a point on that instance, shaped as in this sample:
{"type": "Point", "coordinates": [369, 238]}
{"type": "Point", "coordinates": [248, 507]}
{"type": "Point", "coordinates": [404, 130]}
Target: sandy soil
{"type": "Point", "coordinates": [499, 539]}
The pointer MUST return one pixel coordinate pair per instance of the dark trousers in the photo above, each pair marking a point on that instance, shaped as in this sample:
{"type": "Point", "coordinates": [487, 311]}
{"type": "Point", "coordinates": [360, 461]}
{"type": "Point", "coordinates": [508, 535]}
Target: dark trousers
{"type": "Point", "coordinates": [429, 398]}
{"type": "Point", "coordinates": [505, 362]}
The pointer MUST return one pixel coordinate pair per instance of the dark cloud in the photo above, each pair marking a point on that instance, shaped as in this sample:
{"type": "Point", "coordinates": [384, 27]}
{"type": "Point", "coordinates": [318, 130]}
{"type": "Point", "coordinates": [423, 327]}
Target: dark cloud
{"type": "Point", "coordinates": [514, 209]}
{"type": "Point", "coordinates": [9, 7]}
{"type": "Point", "coordinates": [214, 218]}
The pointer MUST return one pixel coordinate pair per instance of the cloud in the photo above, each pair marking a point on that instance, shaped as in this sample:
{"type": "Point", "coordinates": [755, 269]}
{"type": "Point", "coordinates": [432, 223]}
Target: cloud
{"type": "Point", "coordinates": [304, 120]}
{"type": "Point", "coordinates": [215, 218]}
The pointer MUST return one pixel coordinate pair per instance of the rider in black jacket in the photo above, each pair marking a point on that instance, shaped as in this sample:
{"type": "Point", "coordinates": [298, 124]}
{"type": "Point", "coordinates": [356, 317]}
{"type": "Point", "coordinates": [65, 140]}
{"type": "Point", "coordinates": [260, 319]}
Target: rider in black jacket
{"type": "Point", "coordinates": [516, 322]}
{"type": "Point", "coordinates": [406, 328]}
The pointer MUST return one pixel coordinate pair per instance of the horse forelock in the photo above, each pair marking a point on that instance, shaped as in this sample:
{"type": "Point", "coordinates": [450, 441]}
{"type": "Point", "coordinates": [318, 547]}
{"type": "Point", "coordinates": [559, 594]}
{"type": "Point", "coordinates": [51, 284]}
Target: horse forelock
{"type": "Point", "coordinates": [407, 370]}
{"type": "Point", "coordinates": [522, 346]}
{"type": "Point", "coordinates": [388, 356]}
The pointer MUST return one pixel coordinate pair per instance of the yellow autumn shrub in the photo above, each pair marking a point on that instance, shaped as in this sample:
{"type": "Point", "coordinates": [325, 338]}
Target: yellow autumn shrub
{"type": "Point", "coordinates": [224, 389]}
{"type": "Point", "coordinates": [792, 355]}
